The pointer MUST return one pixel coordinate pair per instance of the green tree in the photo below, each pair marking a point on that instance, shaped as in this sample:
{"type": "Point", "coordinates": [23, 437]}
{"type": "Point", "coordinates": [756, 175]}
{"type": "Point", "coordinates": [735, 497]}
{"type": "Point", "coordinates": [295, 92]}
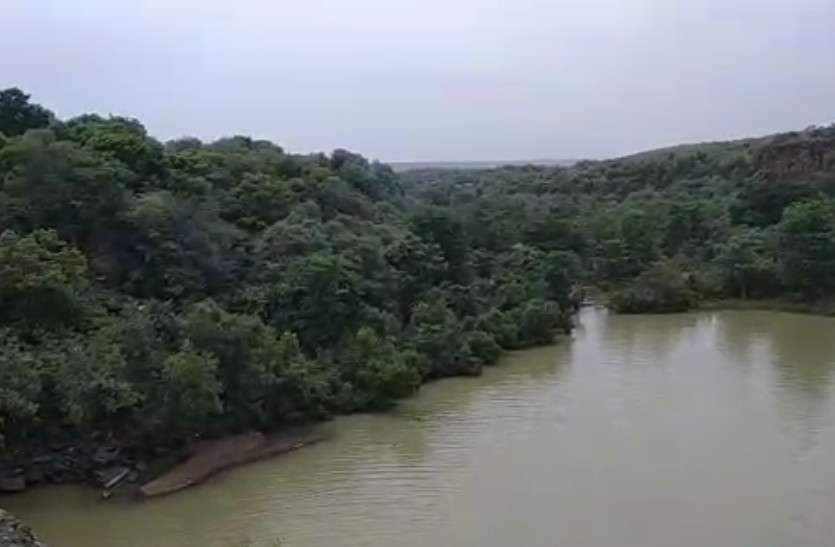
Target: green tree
{"type": "Point", "coordinates": [378, 372]}
{"type": "Point", "coordinates": [419, 266]}
{"type": "Point", "coordinates": [747, 264]}
{"type": "Point", "coordinates": [20, 390]}
{"type": "Point", "coordinates": [175, 248]}
{"type": "Point", "coordinates": [187, 395]}
{"type": "Point", "coordinates": [154, 292]}
{"type": "Point", "coordinates": [92, 384]}
{"type": "Point", "coordinates": [440, 227]}
{"type": "Point", "coordinates": [663, 288]}
{"type": "Point", "coordinates": [18, 115]}
{"type": "Point", "coordinates": [483, 346]}
{"type": "Point", "coordinates": [437, 336]}
{"type": "Point", "coordinates": [538, 321]}
{"type": "Point", "coordinates": [122, 139]}
{"type": "Point", "coordinates": [41, 279]}
{"type": "Point", "coordinates": [300, 389]}
{"type": "Point", "coordinates": [52, 184]}
{"type": "Point", "coordinates": [257, 202]}
{"type": "Point", "coordinates": [248, 359]}
{"type": "Point", "coordinates": [318, 297]}
{"type": "Point", "coordinates": [806, 247]}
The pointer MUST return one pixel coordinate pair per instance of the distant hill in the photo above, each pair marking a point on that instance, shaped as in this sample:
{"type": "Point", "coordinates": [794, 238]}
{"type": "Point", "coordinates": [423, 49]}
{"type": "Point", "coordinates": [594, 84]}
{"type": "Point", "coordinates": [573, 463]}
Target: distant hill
{"type": "Point", "coordinates": [401, 166]}
{"type": "Point", "coordinates": [769, 171]}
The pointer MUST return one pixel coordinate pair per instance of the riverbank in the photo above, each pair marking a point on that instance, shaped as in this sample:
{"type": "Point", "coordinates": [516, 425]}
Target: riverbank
{"type": "Point", "coordinates": [211, 457]}
{"type": "Point", "coordinates": [103, 462]}
{"type": "Point", "coordinates": [110, 467]}
{"type": "Point", "coordinates": [668, 410]}
{"type": "Point", "coordinates": [108, 463]}
{"type": "Point", "coordinates": [824, 308]}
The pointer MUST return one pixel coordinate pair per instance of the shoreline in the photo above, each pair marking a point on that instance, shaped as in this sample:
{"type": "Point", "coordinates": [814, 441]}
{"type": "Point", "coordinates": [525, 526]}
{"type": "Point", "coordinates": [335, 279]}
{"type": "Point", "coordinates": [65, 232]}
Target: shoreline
{"type": "Point", "coordinates": [113, 468]}
{"type": "Point", "coordinates": [124, 474]}
{"type": "Point", "coordinates": [209, 458]}
{"type": "Point", "coordinates": [822, 308]}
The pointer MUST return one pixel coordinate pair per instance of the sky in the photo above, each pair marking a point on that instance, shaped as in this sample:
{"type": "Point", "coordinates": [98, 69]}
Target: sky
{"type": "Point", "coordinates": [404, 80]}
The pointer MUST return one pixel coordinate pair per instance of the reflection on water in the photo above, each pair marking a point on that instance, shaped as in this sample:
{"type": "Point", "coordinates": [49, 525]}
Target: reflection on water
{"type": "Point", "coordinates": [688, 430]}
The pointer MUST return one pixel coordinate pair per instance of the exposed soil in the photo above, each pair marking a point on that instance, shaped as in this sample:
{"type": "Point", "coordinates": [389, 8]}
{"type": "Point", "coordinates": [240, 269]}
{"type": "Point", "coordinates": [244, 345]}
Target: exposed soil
{"type": "Point", "coordinates": [214, 456]}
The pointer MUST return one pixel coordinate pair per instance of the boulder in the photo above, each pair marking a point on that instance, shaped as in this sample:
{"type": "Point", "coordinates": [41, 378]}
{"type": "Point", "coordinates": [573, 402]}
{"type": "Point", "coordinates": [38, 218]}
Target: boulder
{"type": "Point", "coordinates": [34, 475]}
{"type": "Point", "coordinates": [12, 484]}
{"type": "Point", "coordinates": [106, 455]}
{"type": "Point", "coordinates": [14, 533]}
{"type": "Point", "coordinates": [111, 476]}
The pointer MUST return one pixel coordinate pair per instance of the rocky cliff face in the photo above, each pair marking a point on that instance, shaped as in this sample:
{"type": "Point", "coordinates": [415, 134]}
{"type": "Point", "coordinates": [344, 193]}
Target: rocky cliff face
{"type": "Point", "coordinates": [798, 155]}
{"type": "Point", "coordinates": [14, 533]}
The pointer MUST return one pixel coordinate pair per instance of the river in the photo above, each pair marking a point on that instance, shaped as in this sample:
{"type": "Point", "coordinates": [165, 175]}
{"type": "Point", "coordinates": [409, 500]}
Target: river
{"type": "Point", "coordinates": [693, 430]}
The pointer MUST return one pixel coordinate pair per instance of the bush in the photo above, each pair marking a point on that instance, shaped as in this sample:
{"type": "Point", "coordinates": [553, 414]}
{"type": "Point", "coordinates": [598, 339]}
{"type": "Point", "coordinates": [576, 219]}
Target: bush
{"type": "Point", "coordinates": [435, 333]}
{"type": "Point", "coordinates": [538, 320]}
{"type": "Point", "coordinates": [187, 396]}
{"type": "Point", "coordinates": [661, 289]}
{"type": "Point", "coordinates": [378, 372]}
{"type": "Point", "coordinates": [501, 326]}
{"type": "Point", "coordinates": [482, 346]}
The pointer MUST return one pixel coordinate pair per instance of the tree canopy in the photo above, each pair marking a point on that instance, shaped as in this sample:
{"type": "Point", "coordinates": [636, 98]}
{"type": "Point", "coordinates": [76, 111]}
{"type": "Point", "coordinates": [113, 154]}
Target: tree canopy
{"type": "Point", "coordinates": [159, 291]}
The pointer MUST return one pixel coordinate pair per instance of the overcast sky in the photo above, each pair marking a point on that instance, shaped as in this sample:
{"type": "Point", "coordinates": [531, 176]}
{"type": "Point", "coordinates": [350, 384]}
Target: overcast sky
{"type": "Point", "coordinates": [432, 79]}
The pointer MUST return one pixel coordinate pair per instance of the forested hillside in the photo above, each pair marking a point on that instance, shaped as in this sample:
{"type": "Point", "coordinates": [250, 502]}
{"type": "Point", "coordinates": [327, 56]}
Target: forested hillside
{"type": "Point", "coordinates": [152, 292]}
{"type": "Point", "coordinates": [666, 229]}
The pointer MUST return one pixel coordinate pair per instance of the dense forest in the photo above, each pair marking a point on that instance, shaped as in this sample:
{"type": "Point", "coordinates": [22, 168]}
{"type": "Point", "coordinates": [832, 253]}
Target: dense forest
{"type": "Point", "coordinates": [153, 292]}
{"type": "Point", "coordinates": [666, 230]}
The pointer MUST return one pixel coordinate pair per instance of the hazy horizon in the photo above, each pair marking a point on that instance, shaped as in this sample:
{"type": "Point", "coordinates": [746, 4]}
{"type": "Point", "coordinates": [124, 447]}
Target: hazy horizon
{"type": "Point", "coordinates": [432, 80]}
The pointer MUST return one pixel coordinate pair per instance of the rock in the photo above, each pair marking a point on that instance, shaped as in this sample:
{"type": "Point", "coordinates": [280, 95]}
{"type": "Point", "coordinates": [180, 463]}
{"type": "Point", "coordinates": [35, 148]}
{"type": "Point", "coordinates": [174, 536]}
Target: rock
{"type": "Point", "coordinates": [12, 484]}
{"type": "Point", "coordinates": [34, 475]}
{"type": "Point", "coordinates": [14, 533]}
{"type": "Point", "coordinates": [112, 476]}
{"type": "Point", "coordinates": [106, 455]}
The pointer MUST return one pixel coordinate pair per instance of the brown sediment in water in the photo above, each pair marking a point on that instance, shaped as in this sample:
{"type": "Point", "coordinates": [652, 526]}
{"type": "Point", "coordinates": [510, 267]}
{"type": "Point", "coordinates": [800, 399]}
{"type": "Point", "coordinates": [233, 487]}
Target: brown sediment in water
{"type": "Point", "coordinates": [211, 457]}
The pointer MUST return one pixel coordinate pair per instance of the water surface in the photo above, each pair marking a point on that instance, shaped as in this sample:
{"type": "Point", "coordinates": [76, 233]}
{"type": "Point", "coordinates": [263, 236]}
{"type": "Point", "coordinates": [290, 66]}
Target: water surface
{"type": "Point", "coordinates": [703, 429]}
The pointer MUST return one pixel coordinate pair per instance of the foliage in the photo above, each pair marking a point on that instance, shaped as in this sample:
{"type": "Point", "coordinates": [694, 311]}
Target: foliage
{"type": "Point", "coordinates": [537, 322]}
{"type": "Point", "coordinates": [436, 334]}
{"type": "Point", "coordinates": [747, 262]}
{"type": "Point", "coordinates": [187, 394]}
{"type": "Point", "coordinates": [18, 115]}
{"type": "Point", "coordinates": [806, 247]}
{"type": "Point", "coordinates": [41, 279]}
{"type": "Point", "coordinates": [661, 289]}
{"type": "Point", "coordinates": [378, 373]}
{"type": "Point", "coordinates": [20, 390]}
{"type": "Point", "coordinates": [157, 292]}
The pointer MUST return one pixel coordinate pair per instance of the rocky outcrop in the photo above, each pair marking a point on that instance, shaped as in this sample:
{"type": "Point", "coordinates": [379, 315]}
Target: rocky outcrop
{"type": "Point", "coordinates": [104, 464]}
{"type": "Point", "coordinates": [797, 156]}
{"type": "Point", "coordinates": [14, 533]}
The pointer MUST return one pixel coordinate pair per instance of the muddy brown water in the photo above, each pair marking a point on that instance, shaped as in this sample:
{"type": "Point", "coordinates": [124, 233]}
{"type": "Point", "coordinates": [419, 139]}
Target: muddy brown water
{"type": "Point", "coordinates": [703, 429]}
